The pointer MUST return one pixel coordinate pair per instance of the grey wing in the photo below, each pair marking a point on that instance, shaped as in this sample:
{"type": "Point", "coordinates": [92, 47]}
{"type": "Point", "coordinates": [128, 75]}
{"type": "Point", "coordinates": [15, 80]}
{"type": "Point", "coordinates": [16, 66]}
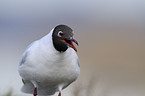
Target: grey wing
{"type": "Point", "coordinates": [67, 85]}
{"type": "Point", "coordinates": [78, 62]}
{"type": "Point", "coordinates": [27, 87]}
{"type": "Point", "coordinates": [23, 81]}
{"type": "Point", "coordinates": [24, 57]}
{"type": "Point", "coordinates": [25, 54]}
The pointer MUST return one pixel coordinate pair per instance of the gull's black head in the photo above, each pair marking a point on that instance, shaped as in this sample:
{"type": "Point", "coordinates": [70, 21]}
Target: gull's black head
{"type": "Point", "coordinates": [62, 38]}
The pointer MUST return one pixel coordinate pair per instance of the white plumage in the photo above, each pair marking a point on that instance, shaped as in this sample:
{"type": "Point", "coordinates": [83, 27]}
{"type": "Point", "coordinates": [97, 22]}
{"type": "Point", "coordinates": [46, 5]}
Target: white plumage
{"type": "Point", "coordinates": [49, 70]}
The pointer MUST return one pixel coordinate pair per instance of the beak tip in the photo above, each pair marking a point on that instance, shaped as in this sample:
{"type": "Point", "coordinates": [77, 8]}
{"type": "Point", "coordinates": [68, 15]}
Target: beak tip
{"type": "Point", "coordinates": [77, 43]}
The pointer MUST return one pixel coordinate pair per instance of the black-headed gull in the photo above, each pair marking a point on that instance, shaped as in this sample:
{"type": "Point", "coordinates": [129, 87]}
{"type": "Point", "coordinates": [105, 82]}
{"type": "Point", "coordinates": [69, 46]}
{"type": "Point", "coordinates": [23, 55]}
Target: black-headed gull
{"type": "Point", "coordinates": [50, 64]}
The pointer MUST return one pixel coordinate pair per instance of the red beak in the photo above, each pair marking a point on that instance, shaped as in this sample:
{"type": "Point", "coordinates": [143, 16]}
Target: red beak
{"type": "Point", "coordinates": [69, 42]}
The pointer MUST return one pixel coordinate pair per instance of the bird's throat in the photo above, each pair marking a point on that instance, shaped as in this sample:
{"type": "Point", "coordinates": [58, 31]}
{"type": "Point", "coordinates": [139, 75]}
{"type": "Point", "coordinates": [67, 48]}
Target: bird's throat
{"type": "Point", "coordinates": [59, 45]}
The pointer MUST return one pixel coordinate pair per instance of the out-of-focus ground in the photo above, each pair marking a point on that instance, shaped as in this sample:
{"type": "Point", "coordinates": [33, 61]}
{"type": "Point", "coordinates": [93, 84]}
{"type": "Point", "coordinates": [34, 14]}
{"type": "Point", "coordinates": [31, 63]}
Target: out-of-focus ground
{"type": "Point", "coordinates": [111, 38]}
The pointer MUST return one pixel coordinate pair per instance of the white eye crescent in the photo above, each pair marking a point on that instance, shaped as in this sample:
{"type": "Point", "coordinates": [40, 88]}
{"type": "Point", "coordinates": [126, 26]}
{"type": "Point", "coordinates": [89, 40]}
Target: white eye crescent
{"type": "Point", "coordinates": [60, 33]}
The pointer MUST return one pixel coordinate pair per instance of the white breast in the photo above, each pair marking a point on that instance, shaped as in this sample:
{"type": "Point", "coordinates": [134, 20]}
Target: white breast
{"type": "Point", "coordinates": [44, 64]}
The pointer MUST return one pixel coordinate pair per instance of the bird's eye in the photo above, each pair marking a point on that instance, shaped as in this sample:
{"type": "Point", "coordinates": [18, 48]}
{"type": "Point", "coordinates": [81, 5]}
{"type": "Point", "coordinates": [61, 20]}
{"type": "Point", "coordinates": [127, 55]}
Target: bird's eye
{"type": "Point", "coordinates": [60, 33]}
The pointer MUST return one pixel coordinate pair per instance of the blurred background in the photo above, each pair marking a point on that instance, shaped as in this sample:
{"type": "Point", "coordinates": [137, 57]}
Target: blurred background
{"type": "Point", "coordinates": [111, 36]}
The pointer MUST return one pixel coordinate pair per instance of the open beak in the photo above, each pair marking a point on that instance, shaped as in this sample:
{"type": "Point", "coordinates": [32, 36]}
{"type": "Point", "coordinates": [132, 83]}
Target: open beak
{"type": "Point", "coordinates": [69, 42]}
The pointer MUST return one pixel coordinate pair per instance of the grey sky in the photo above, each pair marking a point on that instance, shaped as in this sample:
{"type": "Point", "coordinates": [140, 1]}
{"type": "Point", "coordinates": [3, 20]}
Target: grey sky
{"type": "Point", "coordinates": [31, 12]}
